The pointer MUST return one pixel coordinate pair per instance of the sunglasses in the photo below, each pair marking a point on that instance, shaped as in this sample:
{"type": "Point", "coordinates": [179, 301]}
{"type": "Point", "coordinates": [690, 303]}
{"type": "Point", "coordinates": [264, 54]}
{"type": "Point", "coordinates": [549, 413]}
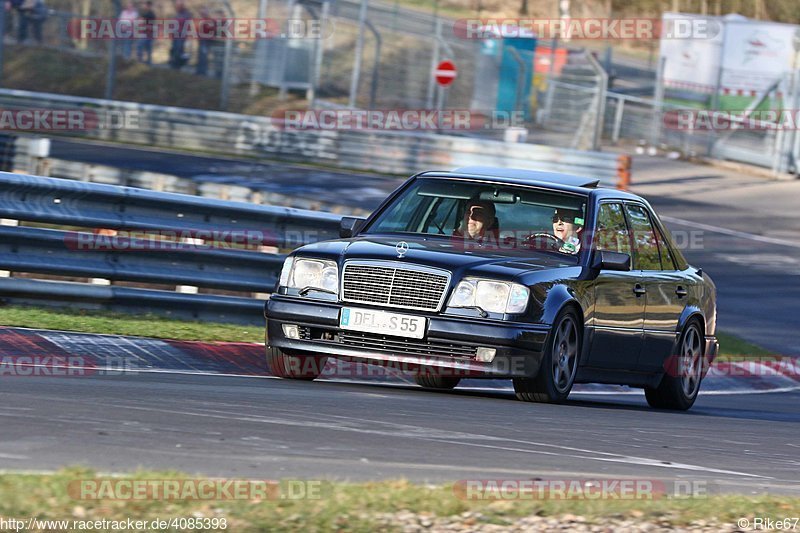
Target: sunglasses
{"type": "Point", "coordinates": [568, 220]}
{"type": "Point", "coordinates": [476, 211]}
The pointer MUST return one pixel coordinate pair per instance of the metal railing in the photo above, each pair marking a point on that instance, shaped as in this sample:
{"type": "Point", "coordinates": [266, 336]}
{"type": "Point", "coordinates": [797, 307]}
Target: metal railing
{"type": "Point", "coordinates": [179, 240]}
{"type": "Point", "coordinates": [263, 137]}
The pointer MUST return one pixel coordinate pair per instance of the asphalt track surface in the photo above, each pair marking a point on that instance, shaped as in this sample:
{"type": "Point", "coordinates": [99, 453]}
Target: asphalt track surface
{"type": "Point", "coordinates": [266, 427]}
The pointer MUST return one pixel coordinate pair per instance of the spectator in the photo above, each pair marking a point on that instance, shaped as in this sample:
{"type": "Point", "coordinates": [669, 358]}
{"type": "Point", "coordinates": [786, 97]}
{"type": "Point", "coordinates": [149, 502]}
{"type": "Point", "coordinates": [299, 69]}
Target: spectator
{"type": "Point", "coordinates": [38, 16]}
{"type": "Point", "coordinates": [125, 25]}
{"type": "Point", "coordinates": [10, 7]}
{"type": "Point", "coordinates": [177, 53]}
{"type": "Point", "coordinates": [144, 47]}
{"type": "Point", "coordinates": [33, 13]}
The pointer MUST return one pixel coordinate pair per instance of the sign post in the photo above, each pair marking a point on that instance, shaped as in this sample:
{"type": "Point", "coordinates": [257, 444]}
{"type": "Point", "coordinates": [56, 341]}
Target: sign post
{"type": "Point", "coordinates": [445, 74]}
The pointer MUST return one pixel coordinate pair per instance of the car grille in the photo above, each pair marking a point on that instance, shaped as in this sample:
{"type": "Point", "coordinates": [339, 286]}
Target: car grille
{"type": "Point", "coordinates": [398, 345]}
{"type": "Point", "coordinates": [394, 287]}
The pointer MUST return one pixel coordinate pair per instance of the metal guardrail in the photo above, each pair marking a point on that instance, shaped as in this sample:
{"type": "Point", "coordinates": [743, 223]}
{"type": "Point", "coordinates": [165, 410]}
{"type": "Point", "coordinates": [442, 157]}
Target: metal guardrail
{"type": "Point", "coordinates": [252, 267]}
{"type": "Point", "coordinates": [263, 137]}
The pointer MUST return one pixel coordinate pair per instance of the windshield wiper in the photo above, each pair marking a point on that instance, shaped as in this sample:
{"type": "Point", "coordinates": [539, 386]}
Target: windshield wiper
{"type": "Point", "coordinates": [309, 288]}
{"type": "Point", "coordinates": [483, 313]}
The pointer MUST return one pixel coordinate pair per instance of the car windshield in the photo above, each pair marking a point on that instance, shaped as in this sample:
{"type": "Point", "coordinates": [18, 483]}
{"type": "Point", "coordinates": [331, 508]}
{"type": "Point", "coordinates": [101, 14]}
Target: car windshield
{"type": "Point", "coordinates": [491, 214]}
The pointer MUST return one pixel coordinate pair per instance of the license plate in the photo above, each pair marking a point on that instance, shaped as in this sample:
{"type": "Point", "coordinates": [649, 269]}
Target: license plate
{"type": "Point", "coordinates": [371, 321]}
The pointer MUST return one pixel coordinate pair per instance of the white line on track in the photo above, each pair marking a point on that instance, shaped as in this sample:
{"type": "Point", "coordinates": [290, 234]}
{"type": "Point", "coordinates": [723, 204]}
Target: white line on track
{"type": "Point", "coordinates": [387, 429]}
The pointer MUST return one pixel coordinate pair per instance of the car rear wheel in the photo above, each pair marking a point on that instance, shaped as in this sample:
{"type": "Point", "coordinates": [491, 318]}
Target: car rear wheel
{"type": "Point", "coordinates": [556, 376]}
{"type": "Point", "coordinates": [436, 382]}
{"type": "Point", "coordinates": [287, 366]}
{"type": "Point", "coordinates": [680, 385]}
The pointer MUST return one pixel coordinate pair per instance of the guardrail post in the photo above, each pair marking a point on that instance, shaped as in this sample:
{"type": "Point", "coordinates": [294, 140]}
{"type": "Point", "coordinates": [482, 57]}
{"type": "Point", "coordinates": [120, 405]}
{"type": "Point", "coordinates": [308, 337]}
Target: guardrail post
{"type": "Point", "coordinates": [7, 222]}
{"type": "Point", "coordinates": [623, 172]}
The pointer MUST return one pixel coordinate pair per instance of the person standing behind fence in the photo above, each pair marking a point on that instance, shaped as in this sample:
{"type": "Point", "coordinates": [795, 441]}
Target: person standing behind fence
{"type": "Point", "coordinates": [126, 21]}
{"type": "Point", "coordinates": [10, 6]}
{"type": "Point", "coordinates": [38, 16]}
{"type": "Point", "coordinates": [144, 47]}
{"type": "Point", "coordinates": [177, 53]}
{"type": "Point", "coordinates": [33, 13]}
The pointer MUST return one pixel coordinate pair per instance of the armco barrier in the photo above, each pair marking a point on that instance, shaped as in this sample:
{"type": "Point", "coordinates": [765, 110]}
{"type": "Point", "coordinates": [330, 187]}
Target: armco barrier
{"type": "Point", "coordinates": [81, 254]}
{"type": "Point", "coordinates": [399, 152]}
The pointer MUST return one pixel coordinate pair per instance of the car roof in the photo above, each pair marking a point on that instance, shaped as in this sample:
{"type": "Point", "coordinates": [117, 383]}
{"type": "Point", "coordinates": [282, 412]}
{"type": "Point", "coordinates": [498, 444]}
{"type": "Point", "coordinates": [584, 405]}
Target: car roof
{"type": "Point", "coordinates": [548, 180]}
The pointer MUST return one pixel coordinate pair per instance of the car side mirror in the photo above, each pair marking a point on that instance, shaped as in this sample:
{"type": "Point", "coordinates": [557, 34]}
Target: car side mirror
{"type": "Point", "coordinates": [607, 260]}
{"type": "Point", "coordinates": [350, 226]}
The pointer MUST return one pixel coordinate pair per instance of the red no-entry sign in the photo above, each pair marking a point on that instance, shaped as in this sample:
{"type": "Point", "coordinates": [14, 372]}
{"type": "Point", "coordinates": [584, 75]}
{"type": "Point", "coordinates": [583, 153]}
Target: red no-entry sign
{"type": "Point", "coordinates": [445, 73]}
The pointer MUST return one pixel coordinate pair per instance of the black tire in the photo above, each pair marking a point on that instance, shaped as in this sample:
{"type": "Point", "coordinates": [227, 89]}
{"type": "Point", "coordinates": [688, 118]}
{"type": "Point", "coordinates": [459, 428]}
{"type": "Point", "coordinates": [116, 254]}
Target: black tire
{"type": "Point", "coordinates": [681, 382]}
{"type": "Point", "coordinates": [554, 381]}
{"type": "Point", "coordinates": [307, 367]}
{"type": "Point", "coordinates": [430, 381]}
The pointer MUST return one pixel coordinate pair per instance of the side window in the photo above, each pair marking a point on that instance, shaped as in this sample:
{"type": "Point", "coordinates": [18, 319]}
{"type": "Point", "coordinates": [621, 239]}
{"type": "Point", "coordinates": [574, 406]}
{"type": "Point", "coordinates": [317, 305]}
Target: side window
{"type": "Point", "coordinates": [403, 215]}
{"type": "Point", "coordinates": [442, 217]}
{"type": "Point", "coordinates": [612, 232]}
{"type": "Point", "coordinates": [667, 262]}
{"type": "Point", "coordinates": [645, 245]}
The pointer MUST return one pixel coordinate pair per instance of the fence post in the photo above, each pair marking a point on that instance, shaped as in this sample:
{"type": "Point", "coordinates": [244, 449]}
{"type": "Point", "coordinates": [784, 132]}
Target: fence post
{"type": "Point", "coordinates": [226, 63]}
{"type": "Point", "coordinates": [601, 101]}
{"type": "Point", "coordinates": [434, 62]}
{"type": "Point", "coordinates": [618, 113]}
{"type": "Point", "coordinates": [354, 79]}
{"type": "Point", "coordinates": [655, 133]}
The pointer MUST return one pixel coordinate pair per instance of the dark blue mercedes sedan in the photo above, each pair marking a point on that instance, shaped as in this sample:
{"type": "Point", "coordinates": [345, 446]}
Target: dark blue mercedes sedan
{"type": "Point", "coordinates": [543, 278]}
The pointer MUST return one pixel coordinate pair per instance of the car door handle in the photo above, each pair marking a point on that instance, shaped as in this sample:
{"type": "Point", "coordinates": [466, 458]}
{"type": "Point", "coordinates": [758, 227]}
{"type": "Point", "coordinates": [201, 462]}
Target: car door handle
{"type": "Point", "coordinates": [638, 290]}
{"type": "Point", "coordinates": [681, 292]}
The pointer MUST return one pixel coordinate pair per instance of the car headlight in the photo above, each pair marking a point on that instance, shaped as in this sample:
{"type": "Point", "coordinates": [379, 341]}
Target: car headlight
{"type": "Point", "coordinates": [298, 273]}
{"type": "Point", "coordinates": [489, 295]}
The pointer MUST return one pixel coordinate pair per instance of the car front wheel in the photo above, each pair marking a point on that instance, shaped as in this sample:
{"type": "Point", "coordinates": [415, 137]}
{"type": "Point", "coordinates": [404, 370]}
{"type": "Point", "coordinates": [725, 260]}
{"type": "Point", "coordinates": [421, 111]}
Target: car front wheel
{"type": "Point", "coordinates": [287, 366]}
{"type": "Point", "coordinates": [681, 383]}
{"type": "Point", "coordinates": [556, 376]}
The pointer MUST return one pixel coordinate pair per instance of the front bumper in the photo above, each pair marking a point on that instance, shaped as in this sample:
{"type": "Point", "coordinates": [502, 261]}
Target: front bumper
{"type": "Point", "coordinates": [449, 342]}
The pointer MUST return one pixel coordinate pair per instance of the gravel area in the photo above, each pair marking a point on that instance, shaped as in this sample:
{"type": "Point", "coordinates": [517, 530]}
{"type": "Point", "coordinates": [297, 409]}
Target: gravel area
{"type": "Point", "coordinates": [468, 522]}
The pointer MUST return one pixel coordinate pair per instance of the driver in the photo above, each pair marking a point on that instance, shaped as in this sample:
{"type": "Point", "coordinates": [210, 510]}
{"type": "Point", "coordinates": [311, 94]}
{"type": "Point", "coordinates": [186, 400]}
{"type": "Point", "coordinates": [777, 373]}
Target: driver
{"type": "Point", "coordinates": [479, 223]}
{"type": "Point", "coordinates": [567, 226]}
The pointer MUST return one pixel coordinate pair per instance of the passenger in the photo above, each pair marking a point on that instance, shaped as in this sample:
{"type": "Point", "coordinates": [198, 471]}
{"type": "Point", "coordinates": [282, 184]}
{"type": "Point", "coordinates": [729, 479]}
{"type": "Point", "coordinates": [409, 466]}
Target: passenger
{"type": "Point", "coordinates": [568, 226]}
{"type": "Point", "coordinates": [479, 223]}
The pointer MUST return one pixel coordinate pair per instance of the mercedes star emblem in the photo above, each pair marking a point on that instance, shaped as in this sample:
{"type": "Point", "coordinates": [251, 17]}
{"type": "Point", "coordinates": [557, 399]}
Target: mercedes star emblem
{"type": "Point", "coordinates": [401, 248]}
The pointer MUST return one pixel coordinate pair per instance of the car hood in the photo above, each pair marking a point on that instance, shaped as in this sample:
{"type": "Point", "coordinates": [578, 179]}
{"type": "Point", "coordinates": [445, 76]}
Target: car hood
{"type": "Point", "coordinates": [440, 252]}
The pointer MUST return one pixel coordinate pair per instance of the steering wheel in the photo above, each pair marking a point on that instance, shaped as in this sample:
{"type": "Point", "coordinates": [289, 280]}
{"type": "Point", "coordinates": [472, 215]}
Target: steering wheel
{"type": "Point", "coordinates": [543, 240]}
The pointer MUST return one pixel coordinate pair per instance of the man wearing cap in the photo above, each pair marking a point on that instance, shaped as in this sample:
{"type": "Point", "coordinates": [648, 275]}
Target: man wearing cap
{"type": "Point", "coordinates": [567, 225]}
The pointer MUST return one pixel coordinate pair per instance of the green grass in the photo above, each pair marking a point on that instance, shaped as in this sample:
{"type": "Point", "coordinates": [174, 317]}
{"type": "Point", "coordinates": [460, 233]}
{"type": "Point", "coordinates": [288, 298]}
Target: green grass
{"type": "Point", "coordinates": [169, 328]}
{"type": "Point", "coordinates": [356, 507]}
{"type": "Point", "coordinates": [121, 324]}
{"type": "Point", "coordinates": [733, 346]}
